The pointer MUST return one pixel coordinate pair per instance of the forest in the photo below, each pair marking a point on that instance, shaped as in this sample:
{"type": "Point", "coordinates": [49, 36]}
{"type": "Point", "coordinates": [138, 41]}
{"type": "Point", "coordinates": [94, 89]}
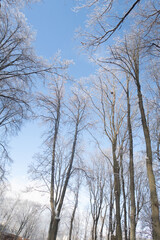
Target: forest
{"type": "Point", "coordinates": [99, 162]}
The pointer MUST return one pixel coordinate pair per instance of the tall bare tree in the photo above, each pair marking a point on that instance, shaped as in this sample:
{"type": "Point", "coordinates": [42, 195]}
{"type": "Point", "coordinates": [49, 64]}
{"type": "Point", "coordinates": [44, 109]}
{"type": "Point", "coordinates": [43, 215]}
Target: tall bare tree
{"type": "Point", "coordinates": [20, 68]}
{"type": "Point", "coordinates": [106, 97]}
{"type": "Point", "coordinates": [127, 58]}
{"type": "Point", "coordinates": [54, 167]}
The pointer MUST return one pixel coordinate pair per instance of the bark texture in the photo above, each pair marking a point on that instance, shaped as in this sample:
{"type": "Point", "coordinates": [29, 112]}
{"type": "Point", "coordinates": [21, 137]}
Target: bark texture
{"type": "Point", "coordinates": [124, 198]}
{"type": "Point", "coordinates": [131, 171]}
{"type": "Point", "coordinates": [117, 192]}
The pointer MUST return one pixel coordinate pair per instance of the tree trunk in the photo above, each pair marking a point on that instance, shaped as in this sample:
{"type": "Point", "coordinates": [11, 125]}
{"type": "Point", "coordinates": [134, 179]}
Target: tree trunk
{"type": "Point", "coordinates": [94, 229]}
{"type": "Point", "coordinates": [52, 235]}
{"type": "Point", "coordinates": [110, 209]}
{"type": "Point", "coordinates": [72, 217]}
{"type": "Point", "coordinates": [124, 198]}
{"type": "Point", "coordinates": [117, 191]}
{"type": "Point", "coordinates": [131, 171]}
{"type": "Point", "coordinates": [151, 177]}
{"type": "Point", "coordinates": [53, 228]}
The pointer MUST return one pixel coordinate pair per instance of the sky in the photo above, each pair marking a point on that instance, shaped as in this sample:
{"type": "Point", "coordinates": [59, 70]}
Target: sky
{"type": "Point", "coordinates": [55, 24]}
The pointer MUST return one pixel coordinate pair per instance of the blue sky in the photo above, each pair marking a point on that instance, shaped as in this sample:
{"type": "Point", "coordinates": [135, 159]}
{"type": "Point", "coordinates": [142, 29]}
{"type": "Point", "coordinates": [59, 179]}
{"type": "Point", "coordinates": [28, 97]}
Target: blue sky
{"type": "Point", "coordinates": [55, 24]}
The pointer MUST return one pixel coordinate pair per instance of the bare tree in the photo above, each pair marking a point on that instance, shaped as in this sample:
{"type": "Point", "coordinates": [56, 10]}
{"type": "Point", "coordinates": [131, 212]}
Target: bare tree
{"type": "Point", "coordinates": [152, 104]}
{"type": "Point", "coordinates": [7, 213]}
{"type": "Point", "coordinates": [98, 195]}
{"type": "Point", "coordinates": [54, 167]}
{"type": "Point", "coordinates": [25, 218]}
{"type": "Point", "coordinates": [111, 224]}
{"type": "Point", "coordinates": [131, 165]}
{"type": "Point", "coordinates": [20, 217]}
{"type": "Point", "coordinates": [124, 193]}
{"type": "Point", "coordinates": [77, 112]}
{"type": "Point", "coordinates": [106, 97]}
{"type": "Point", "coordinates": [20, 67]}
{"type": "Point", "coordinates": [127, 58]}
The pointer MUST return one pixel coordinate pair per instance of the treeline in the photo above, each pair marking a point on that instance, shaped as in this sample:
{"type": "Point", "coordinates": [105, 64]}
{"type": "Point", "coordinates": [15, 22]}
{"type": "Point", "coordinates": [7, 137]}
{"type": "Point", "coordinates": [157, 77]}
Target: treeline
{"type": "Point", "coordinates": [22, 218]}
{"type": "Point", "coordinates": [102, 132]}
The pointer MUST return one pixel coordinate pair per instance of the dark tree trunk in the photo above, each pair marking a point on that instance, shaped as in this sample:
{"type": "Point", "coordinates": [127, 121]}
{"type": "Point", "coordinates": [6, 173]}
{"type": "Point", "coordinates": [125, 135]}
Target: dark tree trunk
{"type": "Point", "coordinates": [94, 229]}
{"type": "Point", "coordinates": [72, 217]}
{"type": "Point", "coordinates": [52, 235]}
{"type": "Point", "coordinates": [117, 191]}
{"type": "Point", "coordinates": [124, 198]}
{"type": "Point", "coordinates": [131, 171]}
{"type": "Point", "coordinates": [53, 228]}
{"type": "Point", "coordinates": [110, 231]}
